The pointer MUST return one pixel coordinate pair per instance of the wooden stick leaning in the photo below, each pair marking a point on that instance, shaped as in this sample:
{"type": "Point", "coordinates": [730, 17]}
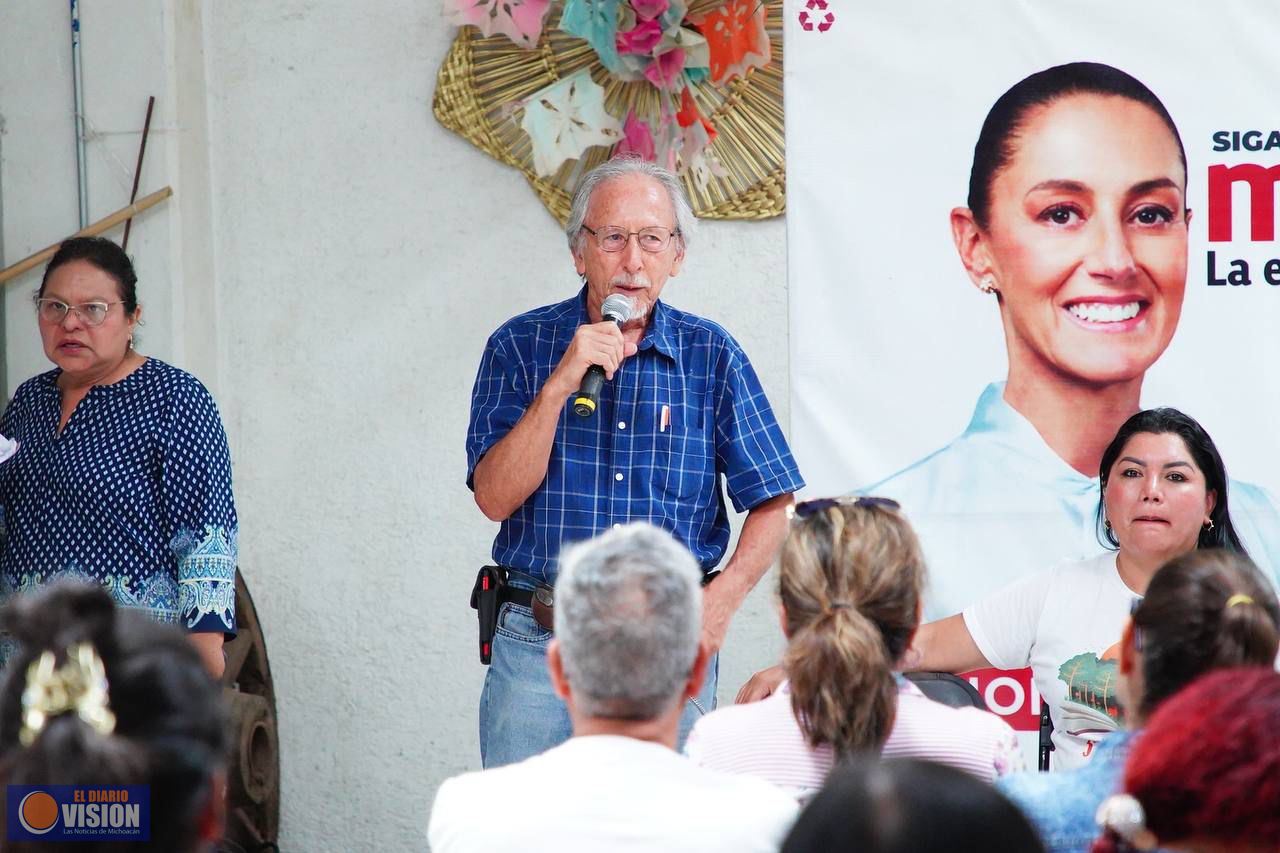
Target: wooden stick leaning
{"type": "Point", "coordinates": [137, 170]}
{"type": "Point", "coordinates": [91, 230]}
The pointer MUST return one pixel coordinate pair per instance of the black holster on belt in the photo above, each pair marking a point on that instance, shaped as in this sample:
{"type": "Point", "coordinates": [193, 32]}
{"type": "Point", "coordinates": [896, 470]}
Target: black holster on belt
{"type": "Point", "coordinates": [486, 597]}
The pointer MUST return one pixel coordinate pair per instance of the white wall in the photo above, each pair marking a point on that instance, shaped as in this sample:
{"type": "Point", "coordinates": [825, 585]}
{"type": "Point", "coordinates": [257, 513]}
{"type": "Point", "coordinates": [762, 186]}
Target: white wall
{"type": "Point", "coordinates": [332, 269]}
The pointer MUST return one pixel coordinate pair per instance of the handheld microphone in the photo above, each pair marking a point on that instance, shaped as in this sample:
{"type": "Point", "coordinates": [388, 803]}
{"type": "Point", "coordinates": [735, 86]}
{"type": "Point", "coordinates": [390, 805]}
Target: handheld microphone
{"type": "Point", "coordinates": [617, 308]}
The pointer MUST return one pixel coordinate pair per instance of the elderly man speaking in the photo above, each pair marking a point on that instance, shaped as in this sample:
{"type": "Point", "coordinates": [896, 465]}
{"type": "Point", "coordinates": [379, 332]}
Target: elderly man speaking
{"type": "Point", "coordinates": [626, 654]}
{"type": "Point", "coordinates": [556, 461]}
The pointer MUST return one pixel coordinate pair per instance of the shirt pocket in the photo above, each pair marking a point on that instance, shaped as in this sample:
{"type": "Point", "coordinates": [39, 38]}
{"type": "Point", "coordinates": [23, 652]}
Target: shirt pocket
{"type": "Point", "coordinates": [682, 466]}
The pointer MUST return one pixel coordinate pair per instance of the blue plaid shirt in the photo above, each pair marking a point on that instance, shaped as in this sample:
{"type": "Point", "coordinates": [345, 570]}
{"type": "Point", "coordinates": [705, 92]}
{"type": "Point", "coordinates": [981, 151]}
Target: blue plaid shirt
{"type": "Point", "coordinates": [622, 464]}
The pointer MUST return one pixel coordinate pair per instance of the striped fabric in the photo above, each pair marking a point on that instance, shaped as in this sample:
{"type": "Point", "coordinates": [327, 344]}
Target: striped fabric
{"type": "Point", "coordinates": [762, 739]}
{"type": "Point", "coordinates": [629, 461]}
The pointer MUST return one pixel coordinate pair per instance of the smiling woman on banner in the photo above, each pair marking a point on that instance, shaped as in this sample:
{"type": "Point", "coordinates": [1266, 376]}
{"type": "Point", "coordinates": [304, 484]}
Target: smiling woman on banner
{"type": "Point", "coordinates": [122, 475]}
{"type": "Point", "coordinates": [1164, 494]}
{"type": "Point", "coordinates": [1077, 226]}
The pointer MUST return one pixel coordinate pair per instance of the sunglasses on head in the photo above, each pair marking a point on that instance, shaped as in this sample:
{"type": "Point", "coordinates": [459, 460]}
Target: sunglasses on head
{"type": "Point", "coordinates": [804, 509]}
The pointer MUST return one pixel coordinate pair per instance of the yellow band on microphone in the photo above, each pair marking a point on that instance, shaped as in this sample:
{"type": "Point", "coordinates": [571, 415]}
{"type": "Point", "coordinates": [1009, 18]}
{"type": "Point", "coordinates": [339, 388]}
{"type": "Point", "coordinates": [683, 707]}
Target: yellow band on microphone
{"type": "Point", "coordinates": [586, 402]}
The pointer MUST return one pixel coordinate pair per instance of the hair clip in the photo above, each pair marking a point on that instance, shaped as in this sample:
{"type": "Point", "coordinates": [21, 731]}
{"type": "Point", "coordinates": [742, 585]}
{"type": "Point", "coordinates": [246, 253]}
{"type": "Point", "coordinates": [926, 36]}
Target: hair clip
{"type": "Point", "coordinates": [1123, 815]}
{"type": "Point", "coordinates": [1239, 598]}
{"type": "Point", "coordinates": [79, 685]}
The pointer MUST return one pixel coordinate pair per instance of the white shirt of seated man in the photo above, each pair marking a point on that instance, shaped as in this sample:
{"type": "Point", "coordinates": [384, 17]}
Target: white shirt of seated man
{"type": "Point", "coordinates": [627, 653]}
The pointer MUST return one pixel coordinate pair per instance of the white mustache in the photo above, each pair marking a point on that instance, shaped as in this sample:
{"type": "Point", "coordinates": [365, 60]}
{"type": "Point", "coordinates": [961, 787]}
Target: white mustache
{"type": "Point", "coordinates": [629, 280]}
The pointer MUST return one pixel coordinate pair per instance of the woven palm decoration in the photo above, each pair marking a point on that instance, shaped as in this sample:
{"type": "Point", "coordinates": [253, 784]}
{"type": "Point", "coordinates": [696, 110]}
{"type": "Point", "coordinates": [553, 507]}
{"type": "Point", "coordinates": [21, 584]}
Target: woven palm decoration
{"type": "Point", "coordinates": [485, 84]}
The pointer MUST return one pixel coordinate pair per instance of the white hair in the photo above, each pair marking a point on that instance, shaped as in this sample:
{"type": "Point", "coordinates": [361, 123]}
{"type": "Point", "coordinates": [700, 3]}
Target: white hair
{"type": "Point", "coordinates": [618, 167]}
{"type": "Point", "coordinates": [628, 616]}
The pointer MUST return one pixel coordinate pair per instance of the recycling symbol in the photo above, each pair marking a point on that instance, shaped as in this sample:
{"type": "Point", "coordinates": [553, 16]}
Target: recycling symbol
{"type": "Point", "coordinates": [816, 15]}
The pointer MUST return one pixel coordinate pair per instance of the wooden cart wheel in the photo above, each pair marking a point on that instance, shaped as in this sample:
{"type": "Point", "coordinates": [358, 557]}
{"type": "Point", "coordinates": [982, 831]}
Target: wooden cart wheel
{"type": "Point", "coordinates": [253, 776]}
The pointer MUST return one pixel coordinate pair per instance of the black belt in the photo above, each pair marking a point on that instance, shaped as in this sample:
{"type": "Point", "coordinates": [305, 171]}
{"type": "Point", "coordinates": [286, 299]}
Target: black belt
{"type": "Point", "coordinates": [493, 589]}
{"type": "Point", "coordinates": [541, 599]}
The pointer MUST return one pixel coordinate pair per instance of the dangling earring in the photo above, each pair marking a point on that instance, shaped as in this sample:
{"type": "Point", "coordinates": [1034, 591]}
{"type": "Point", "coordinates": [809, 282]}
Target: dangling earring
{"type": "Point", "coordinates": [1209, 526]}
{"type": "Point", "coordinates": [988, 284]}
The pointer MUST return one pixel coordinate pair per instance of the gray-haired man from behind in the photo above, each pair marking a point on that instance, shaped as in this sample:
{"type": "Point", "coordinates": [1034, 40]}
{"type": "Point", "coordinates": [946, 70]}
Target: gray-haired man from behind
{"type": "Point", "coordinates": [627, 654]}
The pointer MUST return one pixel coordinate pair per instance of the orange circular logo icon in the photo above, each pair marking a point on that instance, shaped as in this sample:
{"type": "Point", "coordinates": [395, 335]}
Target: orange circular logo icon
{"type": "Point", "coordinates": [38, 812]}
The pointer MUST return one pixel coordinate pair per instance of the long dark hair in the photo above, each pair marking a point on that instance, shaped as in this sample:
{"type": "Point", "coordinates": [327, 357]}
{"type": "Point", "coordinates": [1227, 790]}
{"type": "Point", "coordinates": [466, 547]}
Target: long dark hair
{"type": "Point", "coordinates": [997, 142]}
{"type": "Point", "coordinates": [1222, 533]}
{"type": "Point", "coordinates": [171, 730]}
{"type": "Point", "coordinates": [1204, 610]}
{"type": "Point", "coordinates": [850, 580]}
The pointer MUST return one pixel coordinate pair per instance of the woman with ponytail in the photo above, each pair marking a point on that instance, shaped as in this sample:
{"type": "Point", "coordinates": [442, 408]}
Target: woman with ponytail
{"type": "Point", "coordinates": [850, 581]}
{"type": "Point", "coordinates": [105, 697]}
{"type": "Point", "coordinates": [1203, 611]}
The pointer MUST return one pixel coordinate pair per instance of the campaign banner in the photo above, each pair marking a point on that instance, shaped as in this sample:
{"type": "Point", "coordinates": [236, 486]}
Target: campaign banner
{"type": "Point", "coordinates": [1010, 226]}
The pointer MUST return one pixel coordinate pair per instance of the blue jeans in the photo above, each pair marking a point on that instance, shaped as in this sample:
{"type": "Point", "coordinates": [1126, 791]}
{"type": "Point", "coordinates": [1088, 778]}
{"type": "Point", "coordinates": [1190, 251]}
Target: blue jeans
{"type": "Point", "coordinates": [520, 714]}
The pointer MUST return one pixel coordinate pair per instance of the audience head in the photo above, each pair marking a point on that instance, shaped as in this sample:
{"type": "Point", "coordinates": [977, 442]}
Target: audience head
{"type": "Point", "coordinates": [1203, 611]}
{"type": "Point", "coordinates": [161, 721]}
{"type": "Point", "coordinates": [1219, 532]}
{"type": "Point", "coordinates": [1205, 773]}
{"type": "Point", "coordinates": [906, 805]}
{"type": "Point", "coordinates": [850, 581]}
{"type": "Point", "coordinates": [628, 617]}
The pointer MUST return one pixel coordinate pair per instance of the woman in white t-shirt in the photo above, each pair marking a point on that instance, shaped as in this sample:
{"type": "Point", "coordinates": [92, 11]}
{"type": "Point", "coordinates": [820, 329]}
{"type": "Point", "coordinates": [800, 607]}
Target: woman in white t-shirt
{"type": "Point", "coordinates": [849, 581]}
{"type": "Point", "coordinates": [1164, 493]}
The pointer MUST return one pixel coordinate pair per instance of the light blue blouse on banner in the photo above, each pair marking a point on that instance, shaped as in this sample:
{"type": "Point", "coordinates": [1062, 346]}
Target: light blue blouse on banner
{"type": "Point", "coordinates": [997, 504]}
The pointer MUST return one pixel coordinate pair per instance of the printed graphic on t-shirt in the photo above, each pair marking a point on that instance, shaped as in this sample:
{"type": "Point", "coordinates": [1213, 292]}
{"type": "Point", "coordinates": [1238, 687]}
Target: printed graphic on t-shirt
{"type": "Point", "coordinates": [1091, 707]}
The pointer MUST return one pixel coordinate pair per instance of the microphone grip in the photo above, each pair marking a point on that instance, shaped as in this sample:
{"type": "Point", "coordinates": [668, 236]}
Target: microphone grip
{"type": "Point", "coordinates": [584, 402]}
{"type": "Point", "coordinates": [588, 396]}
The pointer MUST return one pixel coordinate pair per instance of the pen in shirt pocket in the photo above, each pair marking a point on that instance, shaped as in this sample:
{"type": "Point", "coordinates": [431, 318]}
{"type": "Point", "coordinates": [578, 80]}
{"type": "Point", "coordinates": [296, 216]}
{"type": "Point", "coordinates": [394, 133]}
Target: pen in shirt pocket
{"type": "Point", "coordinates": [664, 420]}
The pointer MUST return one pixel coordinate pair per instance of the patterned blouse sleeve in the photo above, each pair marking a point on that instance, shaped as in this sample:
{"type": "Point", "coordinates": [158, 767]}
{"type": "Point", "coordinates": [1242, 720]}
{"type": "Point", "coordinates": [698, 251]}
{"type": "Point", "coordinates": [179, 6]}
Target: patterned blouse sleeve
{"type": "Point", "coordinates": [1006, 754]}
{"type": "Point", "coordinates": [196, 485]}
{"type": "Point", "coordinates": [8, 426]}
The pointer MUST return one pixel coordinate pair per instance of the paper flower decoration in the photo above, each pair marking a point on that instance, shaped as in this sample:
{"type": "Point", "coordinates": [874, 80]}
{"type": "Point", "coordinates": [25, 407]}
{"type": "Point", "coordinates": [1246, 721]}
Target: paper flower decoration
{"type": "Point", "coordinates": [736, 35]}
{"type": "Point", "coordinates": [596, 22]}
{"type": "Point", "coordinates": [518, 20]}
{"type": "Point", "coordinates": [565, 119]}
{"type": "Point", "coordinates": [647, 10]}
{"type": "Point", "coordinates": [637, 138]}
{"type": "Point", "coordinates": [640, 39]}
{"type": "Point", "coordinates": [664, 71]}
{"type": "Point", "coordinates": [628, 76]}
{"type": "Point", "coordinates": [689, 115]}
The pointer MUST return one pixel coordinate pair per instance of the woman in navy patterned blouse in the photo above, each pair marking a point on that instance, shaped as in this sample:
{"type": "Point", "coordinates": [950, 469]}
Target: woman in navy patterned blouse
{"type": "Point", "coordinates": [122, 475]}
